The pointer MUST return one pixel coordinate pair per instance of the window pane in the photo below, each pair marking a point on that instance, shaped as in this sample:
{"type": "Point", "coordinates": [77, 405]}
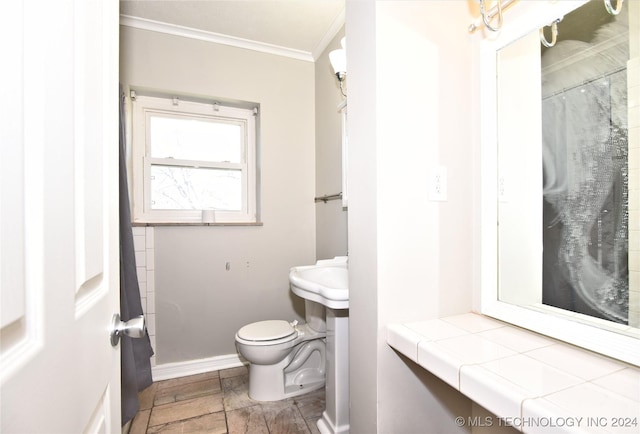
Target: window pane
{"type": "Point", "coordinates": [195, 139]}
{"type": "Point", "coordinates": [190, 188]}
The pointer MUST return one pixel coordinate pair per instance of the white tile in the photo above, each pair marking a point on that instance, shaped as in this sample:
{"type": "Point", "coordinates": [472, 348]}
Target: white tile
{"type": "Point", "coordinates": [150, 234]}
{"type": "Point", "coordinates": [528, 374]}
{"type": "Point", "coordinates": [436, 329]}
{"type": "Point", "coordinates": [151, 302]}
{"type": "Point", "coordinates": [634, 117]}
{"type": "Point", "coordinates": [540, 416]}
{"type": "Point", "coordinates": [143, 287]}
{"type": "Point", "coordinates": [151, 323]}
{"type": "Point", "coordinates": [633, 176]}
{"type": "Point", "coordinates": [592, 401]}
{"type": "Point", "coordinates": [634, 225]}
{"type": "Point", "coordinates": [143, 301]}
{"type": "Point", "coordinates": [440, 362]}
{"type": "Point", "coordinates": [634, 279]}
{"type": "Point", "coordinates": [139, 243]}
{"type": "Point", "coordinates": [633, 72]}
{"type": "Point", "coordinates": [493, 392]}
{"type": "Point", "coordinates": [403, 340]}
{"type": "Point", "coordinates": [137, 230]}
{"type": "Point", "coordinates": [152, 339]}
{"type": "Point", "coordinates": [578, 362]}
{"type": "Point", "coordinates": [634, 239]}
{"type": "Point", "coordinates": [517, 339]}
{"type": "Point", "coordinates": [445, 357]}
{"type": "Point", "coordinates": [485, 422]}
{"type": "Point", "coordinates": [471, 349]}
{"type": "Point", "coordinates": [141, 258]}
{"type": "Point", "coordinates": [625, 382]}
{"type": "Point", "coordinates": [151, 281]}
{"type": "Point", "coordinates": [473, 322]}
{"type": "Point", "coordinates": [633, 135]}
{"type": "Point", "coordinates": [142, 274]}
{"type": "Point", "coordinates": [634, 256]}
{"type": "Point", "coordinates": [150, 259]}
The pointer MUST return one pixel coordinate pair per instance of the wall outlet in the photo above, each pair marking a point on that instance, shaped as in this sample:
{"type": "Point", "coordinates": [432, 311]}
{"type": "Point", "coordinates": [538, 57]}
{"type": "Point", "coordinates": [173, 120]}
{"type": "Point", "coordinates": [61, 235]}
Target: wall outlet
{"type": "Point", "coordinates": [502, 189]}
{"type": "Point", "coordinates": [438, 185]}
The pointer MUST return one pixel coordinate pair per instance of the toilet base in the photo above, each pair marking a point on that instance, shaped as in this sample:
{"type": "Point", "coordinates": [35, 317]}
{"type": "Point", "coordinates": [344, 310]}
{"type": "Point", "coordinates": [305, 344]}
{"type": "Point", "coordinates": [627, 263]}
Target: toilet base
{"type": "Point", "coordinates": [294, 390]}
{"type": "Point", "coordinates": [268, 386]}
{"type": "Point", "coordinates": [300, 373]}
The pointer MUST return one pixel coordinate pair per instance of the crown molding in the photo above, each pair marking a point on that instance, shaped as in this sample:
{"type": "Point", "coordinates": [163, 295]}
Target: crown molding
{"type": "Point", "coordinates": [333, 30]}
{"type": "Point", "coordinates": [202, 35]}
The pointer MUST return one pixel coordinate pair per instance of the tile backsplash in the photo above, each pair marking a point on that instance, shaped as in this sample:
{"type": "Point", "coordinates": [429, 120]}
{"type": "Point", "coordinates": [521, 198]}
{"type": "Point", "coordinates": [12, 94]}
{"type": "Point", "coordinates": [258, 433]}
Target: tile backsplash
{"type": "Point", "coordinates": [145, 260]}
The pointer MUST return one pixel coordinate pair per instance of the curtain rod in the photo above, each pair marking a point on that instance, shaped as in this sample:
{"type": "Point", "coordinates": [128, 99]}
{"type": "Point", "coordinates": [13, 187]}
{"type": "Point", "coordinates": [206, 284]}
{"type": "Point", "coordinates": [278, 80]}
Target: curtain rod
{"type": "Point", "coordinates": [586, 82]}
{"type": "Point", "coordinates": [488, 15]}
{"type": "Point", "coordinates": [326, 198]}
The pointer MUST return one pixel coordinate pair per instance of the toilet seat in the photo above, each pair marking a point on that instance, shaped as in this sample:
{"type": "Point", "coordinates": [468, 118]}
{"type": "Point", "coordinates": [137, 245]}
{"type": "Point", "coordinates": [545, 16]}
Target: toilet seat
{"type": "Point", "coordinates": [267, 331]}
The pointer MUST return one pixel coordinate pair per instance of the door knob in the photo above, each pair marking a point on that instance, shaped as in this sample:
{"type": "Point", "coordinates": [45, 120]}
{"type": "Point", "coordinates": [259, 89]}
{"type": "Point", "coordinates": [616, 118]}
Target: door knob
{"type": "Point", "coordinates": [134, 328]}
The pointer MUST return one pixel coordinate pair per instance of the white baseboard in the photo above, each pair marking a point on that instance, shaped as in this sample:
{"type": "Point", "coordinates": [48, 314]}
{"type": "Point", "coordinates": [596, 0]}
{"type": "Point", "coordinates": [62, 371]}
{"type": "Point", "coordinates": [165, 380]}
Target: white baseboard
{"type": "Point", "coordinates": [192, 367]}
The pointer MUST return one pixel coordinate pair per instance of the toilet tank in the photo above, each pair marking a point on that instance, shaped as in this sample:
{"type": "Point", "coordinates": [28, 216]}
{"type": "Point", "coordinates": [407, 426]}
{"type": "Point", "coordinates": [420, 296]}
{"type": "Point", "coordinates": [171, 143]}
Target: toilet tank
{"type": "Point", "coordinates": [314, 315]}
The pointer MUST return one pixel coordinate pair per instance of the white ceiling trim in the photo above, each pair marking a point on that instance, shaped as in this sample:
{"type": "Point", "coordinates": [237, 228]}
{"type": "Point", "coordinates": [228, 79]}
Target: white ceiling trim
{"type": "Point", "coordinates": [331, 33]}
{"type": "Point", "coordinates": [188, 32]}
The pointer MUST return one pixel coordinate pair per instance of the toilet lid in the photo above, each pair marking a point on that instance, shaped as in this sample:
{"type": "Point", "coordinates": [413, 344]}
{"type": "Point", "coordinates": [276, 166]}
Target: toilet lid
{"type": "Point", "coordinates": [266, 330]}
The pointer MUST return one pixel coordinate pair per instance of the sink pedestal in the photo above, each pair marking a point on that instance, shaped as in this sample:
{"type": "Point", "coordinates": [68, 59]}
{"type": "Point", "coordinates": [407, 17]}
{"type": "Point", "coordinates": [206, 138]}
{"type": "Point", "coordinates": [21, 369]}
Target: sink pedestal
{"type": "Point", "coordinates": [327, 283]}
{"type": "Point", "coordinates": [335, 418]}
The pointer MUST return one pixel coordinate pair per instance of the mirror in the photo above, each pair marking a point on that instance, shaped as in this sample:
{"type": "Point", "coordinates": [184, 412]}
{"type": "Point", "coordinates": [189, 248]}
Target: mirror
{"type": "Point", "coordinates": [568, 122]}
{"type": "Point", "coordinates": [585, 166]}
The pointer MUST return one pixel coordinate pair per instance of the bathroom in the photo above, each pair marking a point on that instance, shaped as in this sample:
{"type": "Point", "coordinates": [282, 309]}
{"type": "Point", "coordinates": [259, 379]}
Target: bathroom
{"type": "Point", "coordinates": [416, 87]}
{"type": "Point", "coordinates": [300, 137]}
{"type": "Point", "coordinates": [411, 257]}
{"type": "Point", "coordinates": [397, 236]}
{"type": "Point", "coordinates": [220, 277]}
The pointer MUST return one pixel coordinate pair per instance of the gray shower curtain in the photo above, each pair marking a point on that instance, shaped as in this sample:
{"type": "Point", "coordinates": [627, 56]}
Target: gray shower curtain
{"type": "Point", "coordinates": [585, 218]}
{"type": "Point", "coordinates": [135, 353]}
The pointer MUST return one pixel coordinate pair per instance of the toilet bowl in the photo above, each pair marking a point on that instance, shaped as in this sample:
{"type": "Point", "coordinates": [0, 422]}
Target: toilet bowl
{"type": "Point", "coordinates": [285, 359]}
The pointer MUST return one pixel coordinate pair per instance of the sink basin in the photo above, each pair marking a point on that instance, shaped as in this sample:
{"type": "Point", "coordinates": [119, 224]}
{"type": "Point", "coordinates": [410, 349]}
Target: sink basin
{"type": "Point", "coordinates": [326, 282]}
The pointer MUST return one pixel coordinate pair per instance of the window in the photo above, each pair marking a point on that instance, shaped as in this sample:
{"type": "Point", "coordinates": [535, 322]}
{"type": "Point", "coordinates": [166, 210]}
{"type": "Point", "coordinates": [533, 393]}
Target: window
{"type": "Point", "coordinates": [191, 156]}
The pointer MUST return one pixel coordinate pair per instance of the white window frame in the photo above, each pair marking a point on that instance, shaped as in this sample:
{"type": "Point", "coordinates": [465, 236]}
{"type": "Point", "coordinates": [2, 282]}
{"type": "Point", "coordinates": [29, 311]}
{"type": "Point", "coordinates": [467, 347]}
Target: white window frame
{"type": "Point", "coordinates": [142, 108]}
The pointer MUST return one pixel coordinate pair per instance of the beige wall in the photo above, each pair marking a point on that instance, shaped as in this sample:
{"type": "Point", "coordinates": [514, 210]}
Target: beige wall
{"type": "Point", "coordinates": [331, 218]}
{"type": "Point", "coordinates": [410, 258]}
{"type": "Point", "coordinates": [199, 304]}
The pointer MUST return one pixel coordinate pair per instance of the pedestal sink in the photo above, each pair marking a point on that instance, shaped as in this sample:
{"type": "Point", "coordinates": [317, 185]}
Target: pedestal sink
{"type": "Point", "coordinates": [327, 283]}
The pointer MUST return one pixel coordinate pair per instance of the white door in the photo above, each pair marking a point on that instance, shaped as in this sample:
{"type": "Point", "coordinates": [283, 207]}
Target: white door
{"type": "Point", "coordinates": [59, 279]}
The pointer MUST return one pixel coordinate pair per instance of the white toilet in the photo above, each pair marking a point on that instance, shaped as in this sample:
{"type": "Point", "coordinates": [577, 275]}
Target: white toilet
{"type": "Point", "coordinates": [285, 359]}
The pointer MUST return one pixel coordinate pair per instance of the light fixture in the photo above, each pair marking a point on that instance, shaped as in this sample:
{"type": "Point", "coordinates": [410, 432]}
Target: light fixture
{"type": "Point", "coordinates": [338, 59]}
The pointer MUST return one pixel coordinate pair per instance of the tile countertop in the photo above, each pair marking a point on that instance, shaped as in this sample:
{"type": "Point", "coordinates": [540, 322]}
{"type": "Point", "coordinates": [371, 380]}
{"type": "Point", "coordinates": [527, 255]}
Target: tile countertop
{"type": "Point", "coordinates": [531, 382]}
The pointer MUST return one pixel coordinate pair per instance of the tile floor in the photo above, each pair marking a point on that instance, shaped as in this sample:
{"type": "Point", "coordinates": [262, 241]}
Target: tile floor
{"type": "Point", "coordinates": [218, 402]}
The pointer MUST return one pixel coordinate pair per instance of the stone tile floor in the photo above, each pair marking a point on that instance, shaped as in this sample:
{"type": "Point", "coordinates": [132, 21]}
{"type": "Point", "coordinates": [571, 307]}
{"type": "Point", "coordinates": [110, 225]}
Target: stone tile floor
{"type": "Point", "coordinates": [218, 402]}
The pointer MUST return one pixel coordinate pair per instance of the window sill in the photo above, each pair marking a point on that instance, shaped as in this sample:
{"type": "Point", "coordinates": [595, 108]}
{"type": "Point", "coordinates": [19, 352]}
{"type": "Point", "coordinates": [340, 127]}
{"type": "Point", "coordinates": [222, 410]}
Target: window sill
{"type": "Point", "coordinates": [529, 381]}
{"type": "Point", "coordinates": [196, 224]}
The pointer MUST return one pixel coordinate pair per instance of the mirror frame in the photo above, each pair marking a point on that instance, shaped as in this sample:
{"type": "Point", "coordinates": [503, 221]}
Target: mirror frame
{"type": "Point", "coordinates": [520, 20]}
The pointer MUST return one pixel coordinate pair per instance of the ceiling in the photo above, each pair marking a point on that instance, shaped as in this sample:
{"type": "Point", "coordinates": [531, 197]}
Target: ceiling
{"type": "Point", "coordinates": [299, 28]}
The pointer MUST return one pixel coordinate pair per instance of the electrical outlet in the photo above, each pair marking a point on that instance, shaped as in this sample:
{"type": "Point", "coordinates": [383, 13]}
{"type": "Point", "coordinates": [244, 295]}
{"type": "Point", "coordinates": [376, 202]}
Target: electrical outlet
{"type": "Point", "coordinates": [438, 185]}
{"type": "Point", "coordinates": [502, 189]}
